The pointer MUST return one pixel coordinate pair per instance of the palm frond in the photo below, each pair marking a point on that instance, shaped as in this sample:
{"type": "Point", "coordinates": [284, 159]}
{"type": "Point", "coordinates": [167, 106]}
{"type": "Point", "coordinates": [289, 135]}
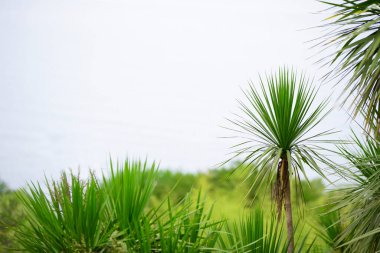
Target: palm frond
{"type": "Point", "coordinates": [360, 203]}
{"type": "Point", "coordinates": [355, 33]}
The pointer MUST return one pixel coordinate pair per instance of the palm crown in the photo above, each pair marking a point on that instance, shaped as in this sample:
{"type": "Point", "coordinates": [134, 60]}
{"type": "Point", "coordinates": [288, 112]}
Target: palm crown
{"type": "Point", "coordinates": [277, 121]}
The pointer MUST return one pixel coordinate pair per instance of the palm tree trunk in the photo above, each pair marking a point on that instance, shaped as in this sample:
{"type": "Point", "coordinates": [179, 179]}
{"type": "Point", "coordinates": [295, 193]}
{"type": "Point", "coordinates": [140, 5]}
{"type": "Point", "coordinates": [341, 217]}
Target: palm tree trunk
{"type": "Point", "coordinates": [288, 208]}
{"type": "Point", "coordinates": [282, 196]}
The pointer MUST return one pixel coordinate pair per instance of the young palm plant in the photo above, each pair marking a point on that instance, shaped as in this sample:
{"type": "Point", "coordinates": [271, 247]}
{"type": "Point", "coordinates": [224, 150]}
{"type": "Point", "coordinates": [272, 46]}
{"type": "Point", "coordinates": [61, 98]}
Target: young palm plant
{"type": "Point", "coordinates": [275, 137]}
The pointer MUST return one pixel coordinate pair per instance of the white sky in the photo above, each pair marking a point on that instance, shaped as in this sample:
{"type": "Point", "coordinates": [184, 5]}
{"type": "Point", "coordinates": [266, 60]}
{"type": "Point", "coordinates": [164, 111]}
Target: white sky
{"type": "Point", "coordinates": [82, 80]}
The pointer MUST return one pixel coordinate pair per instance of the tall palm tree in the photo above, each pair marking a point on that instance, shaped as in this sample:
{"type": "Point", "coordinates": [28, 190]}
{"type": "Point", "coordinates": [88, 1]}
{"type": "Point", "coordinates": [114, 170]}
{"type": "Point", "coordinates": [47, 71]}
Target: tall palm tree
{"type": "Point", "coordinates": [275, 136]}
{"type": "Point", "coordinates": [354, 35]}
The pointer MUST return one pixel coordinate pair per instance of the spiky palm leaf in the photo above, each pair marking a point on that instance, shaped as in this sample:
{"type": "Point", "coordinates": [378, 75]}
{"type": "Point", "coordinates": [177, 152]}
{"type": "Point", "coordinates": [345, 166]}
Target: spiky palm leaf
{"type": "Point", "coordinates": [355, 32]}
{"type": "Point", "coordinates": [361, 200]}
{"type": "Point", "coordinates": [276, 124]}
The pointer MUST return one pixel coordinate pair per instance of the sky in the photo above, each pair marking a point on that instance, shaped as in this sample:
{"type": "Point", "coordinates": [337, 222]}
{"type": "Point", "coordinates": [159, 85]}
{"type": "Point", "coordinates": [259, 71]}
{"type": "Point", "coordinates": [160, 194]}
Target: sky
{"type": "Point", "coordinates": [83, 81]}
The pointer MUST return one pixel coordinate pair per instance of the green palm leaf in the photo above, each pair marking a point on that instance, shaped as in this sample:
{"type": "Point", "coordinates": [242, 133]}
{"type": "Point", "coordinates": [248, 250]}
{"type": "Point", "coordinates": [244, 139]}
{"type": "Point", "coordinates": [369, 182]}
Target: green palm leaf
{"type": "Point", "coordinates": [355, 32]}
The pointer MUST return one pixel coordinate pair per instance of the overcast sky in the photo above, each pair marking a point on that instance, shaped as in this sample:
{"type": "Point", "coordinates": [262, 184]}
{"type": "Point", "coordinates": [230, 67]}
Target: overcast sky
{"type": "Point", "coordinates": [85, 80]}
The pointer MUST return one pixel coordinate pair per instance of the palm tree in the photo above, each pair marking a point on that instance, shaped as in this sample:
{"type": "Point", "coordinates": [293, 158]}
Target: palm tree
{"type": "Point", "coordinates": [354, 34]}
{"type": "Point", "coordinates": [275, 136]}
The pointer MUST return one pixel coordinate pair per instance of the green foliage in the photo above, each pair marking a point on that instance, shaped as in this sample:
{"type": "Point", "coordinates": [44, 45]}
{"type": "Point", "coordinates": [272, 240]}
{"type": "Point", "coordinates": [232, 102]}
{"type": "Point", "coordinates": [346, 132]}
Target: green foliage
{"type": "Point", "coordinates": [276, 140]}
{"type": "Point", "coordinates": [277, 126]}
{"type": "Point", "coordinates": [3, 188]}
{"type": "Point", "coordinates": [360, 201]}
{"type": "Point", "coordinates": [312, 190]}
{"type": "Point", "coordinates": [128, 190]}
{"type": "Point", "coordinates": [220, 179]}
{"type": "Point", "coordinates": [355, 35]}
{"type": "Point", "coordinates": [254, 234]}
{"type": "Point", "coordinates": [11, 216]}
{"type": "Point", "coordinates": [69, 216]}
{"type": "Point", "coordinates": [330, 227]}
{"type": "Point", "coordinates": [154, 224]}
{"type": "Point", "coordinates": [258, 234]}
{"type": "Point", "coordinates": [114, 215]}
{"type": "Point", "coordinates": [177, 184]}
{"type": "Point", "coordinates": [73, 215]}
{"type": "Point", "coordinates": [187, 228]}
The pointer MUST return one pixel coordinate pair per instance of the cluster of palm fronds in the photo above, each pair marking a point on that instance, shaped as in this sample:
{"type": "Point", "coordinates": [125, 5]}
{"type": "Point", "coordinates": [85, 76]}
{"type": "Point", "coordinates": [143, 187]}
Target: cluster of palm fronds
{"type": "Point", "coordinates": [354, 30]}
